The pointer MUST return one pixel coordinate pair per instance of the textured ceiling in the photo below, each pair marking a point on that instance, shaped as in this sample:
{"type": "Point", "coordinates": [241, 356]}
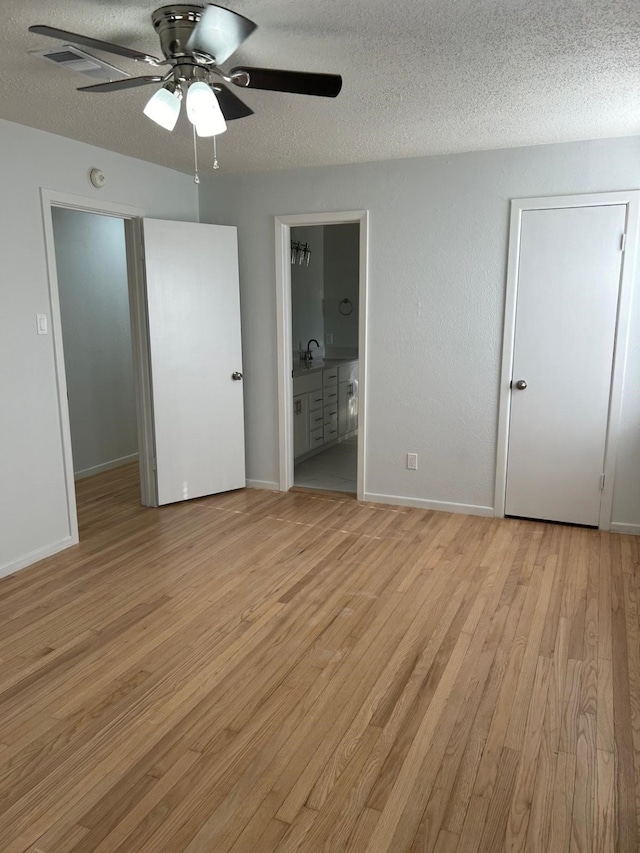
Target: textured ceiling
{"type": "Point", "coordinates": [420, 77]}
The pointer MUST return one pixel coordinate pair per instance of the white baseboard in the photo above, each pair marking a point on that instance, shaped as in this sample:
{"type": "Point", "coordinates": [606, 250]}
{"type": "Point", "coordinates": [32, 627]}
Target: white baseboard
{"type": "Point", "coordinates": [105, 466]}
{"type": "Point", "coordinates": [633, 529]}
{"type": "Point", "coordinates": [421, 503]}
{"type": "Point", "coordinates": [263, 484]}
{"type": "Point", "coordinates": [35, 556]}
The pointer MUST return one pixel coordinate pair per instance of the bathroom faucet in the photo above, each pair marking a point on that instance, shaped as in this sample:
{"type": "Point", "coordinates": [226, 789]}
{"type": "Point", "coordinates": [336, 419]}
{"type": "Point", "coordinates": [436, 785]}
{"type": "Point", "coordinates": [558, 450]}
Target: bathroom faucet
{"type": "Point", "coordinates": [307, 353]}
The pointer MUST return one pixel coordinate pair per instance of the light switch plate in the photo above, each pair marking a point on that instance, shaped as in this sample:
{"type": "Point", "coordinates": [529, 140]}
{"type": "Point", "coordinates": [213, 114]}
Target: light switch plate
{"type": "Point", "coordinates": [41, 324]}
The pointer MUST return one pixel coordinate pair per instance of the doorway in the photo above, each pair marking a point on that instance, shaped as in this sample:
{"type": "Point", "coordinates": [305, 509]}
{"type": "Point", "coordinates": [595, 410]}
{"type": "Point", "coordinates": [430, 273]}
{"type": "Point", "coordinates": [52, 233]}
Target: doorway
{"type": "Point", "coordinates": [92, 448]}
{"type": "Point", "coordinates": [93, 288]}
{"type": "Point", "coordinates": [321, 276]}
{"type": "Point", "coordinates": [566, 327]}
{"type": "Point", "coordinates": [324, 341]}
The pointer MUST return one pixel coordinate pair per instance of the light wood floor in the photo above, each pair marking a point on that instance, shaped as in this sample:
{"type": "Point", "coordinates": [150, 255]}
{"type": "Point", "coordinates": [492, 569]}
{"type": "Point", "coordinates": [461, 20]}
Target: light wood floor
{"type": "Point", "coordinates": [258, 672]}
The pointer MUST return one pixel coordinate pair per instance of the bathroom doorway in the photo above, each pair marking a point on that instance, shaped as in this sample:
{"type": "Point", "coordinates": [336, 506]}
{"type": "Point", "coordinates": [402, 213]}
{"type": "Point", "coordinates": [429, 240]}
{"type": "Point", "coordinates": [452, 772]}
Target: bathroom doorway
{"type": "Point", "coordinates": [324, 336]}
{"type": "Point", "coordinates": [322, 275]}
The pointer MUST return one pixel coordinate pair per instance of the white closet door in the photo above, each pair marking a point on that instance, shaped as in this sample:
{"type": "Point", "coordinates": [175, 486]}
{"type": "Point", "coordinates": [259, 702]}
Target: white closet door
{"type": "Point", "coordinates": [567, 298]}
{"type": "Point", "coordinates": [195, 349]}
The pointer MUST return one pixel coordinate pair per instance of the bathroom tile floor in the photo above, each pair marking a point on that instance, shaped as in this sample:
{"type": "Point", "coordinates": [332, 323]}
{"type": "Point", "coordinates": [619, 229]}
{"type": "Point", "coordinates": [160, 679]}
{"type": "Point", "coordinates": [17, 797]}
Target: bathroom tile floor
{"type": "Point", "coordinates": [335, 469]}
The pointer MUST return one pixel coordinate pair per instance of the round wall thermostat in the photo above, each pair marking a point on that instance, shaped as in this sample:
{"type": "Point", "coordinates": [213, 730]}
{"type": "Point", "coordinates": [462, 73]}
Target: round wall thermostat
{"type": "Point", "coordinates": [97, 178]}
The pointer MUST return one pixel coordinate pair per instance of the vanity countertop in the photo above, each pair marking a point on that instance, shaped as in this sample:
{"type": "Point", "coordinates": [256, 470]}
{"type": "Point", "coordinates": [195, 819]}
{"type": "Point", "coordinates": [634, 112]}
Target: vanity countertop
{"type": "Point", "coordinates": [301, 368]}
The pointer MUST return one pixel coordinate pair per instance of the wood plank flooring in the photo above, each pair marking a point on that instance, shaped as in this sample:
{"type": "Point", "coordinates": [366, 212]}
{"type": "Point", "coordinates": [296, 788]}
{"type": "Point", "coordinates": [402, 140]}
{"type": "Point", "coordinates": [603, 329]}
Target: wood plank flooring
{"type": "Point", "coordinates": [259, 671]}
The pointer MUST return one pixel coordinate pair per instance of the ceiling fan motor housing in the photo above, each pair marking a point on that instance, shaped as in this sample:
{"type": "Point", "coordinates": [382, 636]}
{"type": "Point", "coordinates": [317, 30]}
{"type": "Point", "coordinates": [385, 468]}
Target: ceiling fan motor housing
{"type": "Point", "coordinates": [174, 25]}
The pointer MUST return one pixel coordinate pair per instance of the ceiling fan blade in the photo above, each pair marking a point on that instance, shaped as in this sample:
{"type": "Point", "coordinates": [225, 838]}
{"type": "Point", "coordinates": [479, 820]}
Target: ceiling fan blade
{"type": "Point", "coordinates": [220, 32]}
{"type": "Point", "coordinates": [116, 85]}
{"type": "Point", "coordinates": [232, 107]}
{"type": "Point", "coordinates": [97, 44]}
{"type": "Point", "coordinates": [298, 82]}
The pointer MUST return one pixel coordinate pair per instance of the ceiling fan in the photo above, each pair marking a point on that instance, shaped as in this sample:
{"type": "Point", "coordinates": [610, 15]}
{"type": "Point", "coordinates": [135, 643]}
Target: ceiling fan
{"type": "Point", "coordinates": [195, 42]}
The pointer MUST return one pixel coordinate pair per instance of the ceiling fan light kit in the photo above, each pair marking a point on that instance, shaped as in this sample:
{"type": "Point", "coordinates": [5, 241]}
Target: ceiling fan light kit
{"type": "Point", "coordinates": [163, 107]}
{"type": "Point", "coordinates": [195, 41]}
{"type": "Point", "coordinates": [203, 110]}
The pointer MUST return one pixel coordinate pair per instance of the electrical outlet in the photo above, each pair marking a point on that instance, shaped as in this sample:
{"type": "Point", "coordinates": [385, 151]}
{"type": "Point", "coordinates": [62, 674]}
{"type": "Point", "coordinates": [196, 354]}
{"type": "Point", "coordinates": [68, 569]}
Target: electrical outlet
{"type": "Point", "coordinates": [412, 461]}
{"type": "Point", "coordinates": [329, 338]}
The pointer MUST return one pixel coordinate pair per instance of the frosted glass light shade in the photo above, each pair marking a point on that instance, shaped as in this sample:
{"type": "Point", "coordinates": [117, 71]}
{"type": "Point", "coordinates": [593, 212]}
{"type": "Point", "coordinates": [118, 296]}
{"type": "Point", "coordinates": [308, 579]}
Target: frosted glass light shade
{"type": "Point", "coordinates": [203, 110]}
{"type": "Point", "coordinates": [163, 108]}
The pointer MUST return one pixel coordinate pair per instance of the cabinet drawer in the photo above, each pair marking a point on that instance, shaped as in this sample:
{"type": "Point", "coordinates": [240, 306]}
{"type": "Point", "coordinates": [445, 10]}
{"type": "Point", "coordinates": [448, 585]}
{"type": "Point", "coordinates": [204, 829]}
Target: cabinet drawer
{"type": "Point", "coordinates": [330, 395]}
{"type": "Point", "coordinates": [330, 377]}
{"type": "Point", "coordinates": [330, 413]}
{"type": "Point", "coordinates": [316, 400]}
{"type": "Point", "coordinates": [331, 432]}
{"type": "Point", "coordinates": [310, 382]}
{"type": "Point", "coordinates": [316, 437]}
{"type": "Point", "coordinates": [316, 419]}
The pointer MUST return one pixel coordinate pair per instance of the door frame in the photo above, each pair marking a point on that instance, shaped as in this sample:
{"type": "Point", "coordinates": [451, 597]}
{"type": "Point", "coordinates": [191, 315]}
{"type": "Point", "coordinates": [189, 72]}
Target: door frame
{"type": "Point", "coordinates": [283, 225]}
{"type": "Point", "coordinates": [132, 217]}
{"type": "Point", "coordinates": [631, 199]}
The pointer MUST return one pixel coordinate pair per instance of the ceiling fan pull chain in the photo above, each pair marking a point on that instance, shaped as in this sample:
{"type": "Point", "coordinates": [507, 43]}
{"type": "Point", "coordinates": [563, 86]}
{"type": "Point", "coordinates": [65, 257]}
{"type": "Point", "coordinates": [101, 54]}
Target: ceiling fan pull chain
{"type": "Point", "coordinates": [216, 165]}
{"type": "Point", "coordinates": [196, 177]}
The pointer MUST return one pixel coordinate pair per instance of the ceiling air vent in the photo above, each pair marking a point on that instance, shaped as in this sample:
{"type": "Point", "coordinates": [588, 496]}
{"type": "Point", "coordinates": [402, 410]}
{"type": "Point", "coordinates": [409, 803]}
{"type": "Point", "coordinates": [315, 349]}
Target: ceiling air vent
{"type": "Point", "coordinates": [71, 57]}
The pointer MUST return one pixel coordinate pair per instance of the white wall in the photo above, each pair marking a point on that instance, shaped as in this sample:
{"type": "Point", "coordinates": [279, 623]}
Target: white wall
{"type": "Point", "coordinates": [91, 262]}
{"type": "Point", "coordinates": [307, 291]}
{"type": "Point", "coordinates": [438, 230]}
{"type": "Point", "coordinates": [341, 281]}
{"type": "Point", "coordinates": [33, 516]}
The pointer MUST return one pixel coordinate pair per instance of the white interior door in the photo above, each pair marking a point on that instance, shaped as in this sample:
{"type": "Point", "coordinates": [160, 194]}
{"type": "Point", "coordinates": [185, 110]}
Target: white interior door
{"type": "Point", "coordinates": [195, 348]}
{"type": "Point", "coordinates": [567, 298]}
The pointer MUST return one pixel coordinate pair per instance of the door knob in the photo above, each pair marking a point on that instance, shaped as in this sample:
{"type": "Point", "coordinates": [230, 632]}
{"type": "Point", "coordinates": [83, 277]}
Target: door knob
{"type": "Point", "coordinates": [521, 384]}
{"type": "Point", "coordinates": [236, 375]}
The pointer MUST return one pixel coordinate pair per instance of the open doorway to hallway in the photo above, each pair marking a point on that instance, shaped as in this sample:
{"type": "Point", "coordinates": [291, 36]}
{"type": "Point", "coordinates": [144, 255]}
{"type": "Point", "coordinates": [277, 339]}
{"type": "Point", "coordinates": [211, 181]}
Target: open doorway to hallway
{"type": "Point", "coordinates": [93, 286]}
{"type": "Point", "coordinates": [94, 297]}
